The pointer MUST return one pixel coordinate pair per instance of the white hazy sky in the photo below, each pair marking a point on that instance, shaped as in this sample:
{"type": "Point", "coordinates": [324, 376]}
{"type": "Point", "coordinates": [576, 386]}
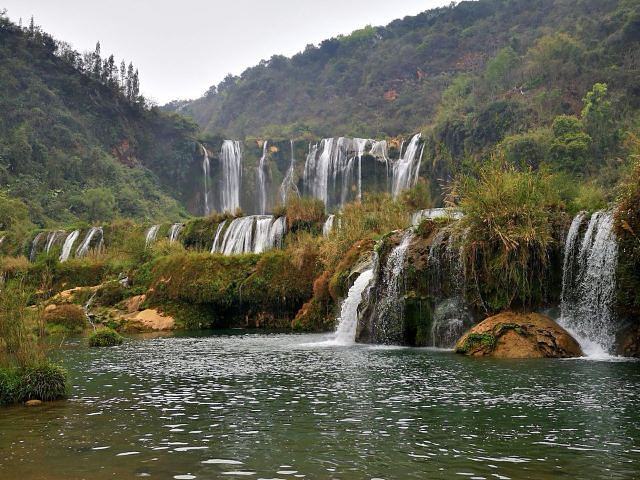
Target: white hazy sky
{"type": "Point", "coordinates": [182, 47]}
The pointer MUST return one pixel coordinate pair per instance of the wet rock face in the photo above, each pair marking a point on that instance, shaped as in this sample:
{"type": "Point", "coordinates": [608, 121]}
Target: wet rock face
{"type": "Point", "coordinates": [630, 345]}
{"type": "Point", "coordinates": [516, 335]}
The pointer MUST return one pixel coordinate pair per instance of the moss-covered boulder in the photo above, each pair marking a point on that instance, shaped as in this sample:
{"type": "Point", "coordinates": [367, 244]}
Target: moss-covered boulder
{"type": "Point", "coordinates": [518, 335]}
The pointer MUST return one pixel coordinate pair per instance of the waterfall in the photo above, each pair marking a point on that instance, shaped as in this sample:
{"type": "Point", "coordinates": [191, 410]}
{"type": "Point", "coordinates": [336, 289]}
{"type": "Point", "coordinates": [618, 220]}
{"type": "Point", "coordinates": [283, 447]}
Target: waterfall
{"type": "Point", "coordinates": [389, 310]}
{"type": "Point", "coordinates": [589, 283]}
{"type": "Point", "coordinates": [151, 235]}
{"type": "Point", "coordinates": [52, 238]}
{"type": "Point", "coordinates": [82, 250]}
{"type": "Point", "coordinates": [407, 167]}
{"type": "Point", "coordinates": [379, 152]}
{"type": "Point", "coordinates": [451, 315]}
{"type": "Point", "coordinates": [348, 319]}
{"type": "Point", "coordinates": [174, 231]}
{"type": "Point", "coordinates": [68, 244]}
{"type": "Point", "coordinates": [231, 160]}
{"type": "Point", "coordinates": [361, 145]}
{"type": "Point", "coordinates": [262, 180]}
{"type": "Point", "coordinates": [206, 173]}
{"type": "Point", "coordinates": [34, 246]}
{"type": "Point", "coordinates": [216, 239]}
{"type": "Point", "coordinates": [1, 240]}
{"type": "Point", "coordinates": [329, 170]}
{"type": "Point", "coordinates": [328, 225]}
{"type": "Point", "coordinates": [253, 234]}
{"type": "Point", "coordinates": [288, 183]}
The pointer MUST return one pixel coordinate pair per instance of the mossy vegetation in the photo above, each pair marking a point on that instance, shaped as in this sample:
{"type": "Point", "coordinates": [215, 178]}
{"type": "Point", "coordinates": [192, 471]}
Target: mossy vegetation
{"type": "Point", "coordinates": [487, 341]}
{"type": "Point", "coordinates": [69, 318]}
{"type": "Point", "coordinates": [105, 337]}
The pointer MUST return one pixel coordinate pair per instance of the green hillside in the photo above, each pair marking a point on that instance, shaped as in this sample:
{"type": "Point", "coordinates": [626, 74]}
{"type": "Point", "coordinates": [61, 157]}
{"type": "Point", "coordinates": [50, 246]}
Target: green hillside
{"type": "Point", "coordinates": [540, 56]}
{"type": "Point", "coordinates": [78, 142]}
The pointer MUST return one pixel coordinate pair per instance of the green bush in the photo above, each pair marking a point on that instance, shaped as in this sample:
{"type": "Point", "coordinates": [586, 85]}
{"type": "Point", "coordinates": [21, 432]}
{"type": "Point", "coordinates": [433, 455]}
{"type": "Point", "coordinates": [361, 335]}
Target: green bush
{"type": "Point", "coordinates": [9, 385]}
{"type": "Point", "coordinates": [105, 337]}
{"type": "Point", "coordinates": [44, 382]}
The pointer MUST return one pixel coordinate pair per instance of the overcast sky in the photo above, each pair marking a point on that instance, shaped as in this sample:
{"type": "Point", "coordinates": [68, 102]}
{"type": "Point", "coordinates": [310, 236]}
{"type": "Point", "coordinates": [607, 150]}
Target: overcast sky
{"type": "Point", "coordinates": [182, 47]}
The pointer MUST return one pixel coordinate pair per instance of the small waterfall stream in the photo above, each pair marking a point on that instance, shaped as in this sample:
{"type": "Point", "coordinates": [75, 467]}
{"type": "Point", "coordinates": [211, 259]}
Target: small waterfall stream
{"type": "Point", "coordinates": [83, 249]}
{"type": "Point", "coordinates": [34, 246]}
{"type": "Point", "coordinates": [407, 167]}
{"type": "Point", "coordinates": [68, 245]}
{"type": "Point", "coordinates": [589, 283]}
{"type": "Point", "coordinates": [288, 185]}
{"type": "Point", "coordinates": [151, 235]}
{"type": "Point", "coordinates": [327, 228]}
{"type": "Point", "coordinates": [388, 312]}
{"type": "Point", "coordinates": [174, 231]}
{"type": "Point", "coordinates": [231, 160]}
{"type": "Point", "coordinates": [252, 234]}
{"type": "Point", "coordinates": [206, 173]}
{"type": "Point", "coordinates": [262, 180]}
{"type": "Point", "coordinates": [348, 319]}
{"type": "Point", "coordinates": [52, 238]}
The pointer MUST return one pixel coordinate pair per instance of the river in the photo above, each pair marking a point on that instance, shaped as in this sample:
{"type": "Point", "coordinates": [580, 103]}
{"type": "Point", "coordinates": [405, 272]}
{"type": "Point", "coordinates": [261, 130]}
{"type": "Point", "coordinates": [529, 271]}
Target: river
{"type": "Point", "coordinates": [258, 406]}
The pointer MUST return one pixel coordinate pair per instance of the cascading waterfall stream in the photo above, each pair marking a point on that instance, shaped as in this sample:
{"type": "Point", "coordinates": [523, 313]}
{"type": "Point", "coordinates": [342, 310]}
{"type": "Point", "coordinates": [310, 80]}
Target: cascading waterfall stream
{"type": "Point", "coordinates": [288, 185]}
{"type": "Point", "coordinates": [68, 245]}
{"type": "Point", "coordinates": [52, 238]}
{"type": "Point", "coordinates": [206, 173]}
{"type": "Point", "coordinates": [151, 235]}
{"type": "Point", "coordinates": [328, 225]}
{"type": "Point", "coordinates": [83, 249]}
{"type": "Point", "coordinates": [174, 231]}
{"type": "Point", "coordinates": [407, 167]}
{"type": "Point", "coordinates": [361, 145]}
{"type": "Point", "coordinates": [388, 311]}
{"type": "Point", "coordinates": [348, 319]}
{"type": "Point", "coordinates": [589, 283]}
{"type": "Point", "coordinates": [262, 180]}
{"type": "Point", "coordinates": [231, 161]}
{"type": "Point", "coordinates": [253, 234]}
{"type": "Point", "coordinates": [34, 246]}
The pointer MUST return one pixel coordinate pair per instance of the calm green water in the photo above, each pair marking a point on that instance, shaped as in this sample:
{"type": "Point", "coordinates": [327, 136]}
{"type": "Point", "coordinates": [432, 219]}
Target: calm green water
{"type": "Point", "coordinates": [272, 406]}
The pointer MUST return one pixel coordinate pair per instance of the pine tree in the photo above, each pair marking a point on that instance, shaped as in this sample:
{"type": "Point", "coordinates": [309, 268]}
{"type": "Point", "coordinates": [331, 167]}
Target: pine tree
{"type": "Point", "coordinates": [123, 76]}
{"type": "Point", "coordinates": [97, 62]}
{"type": "Point", "coordinates": [129, 82]}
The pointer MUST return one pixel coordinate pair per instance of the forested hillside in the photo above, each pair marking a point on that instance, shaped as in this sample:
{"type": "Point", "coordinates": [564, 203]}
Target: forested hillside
{"type": "Point", "coordinates": [522, 61]}
{"type": "Point", "coordinates": [77, 141]}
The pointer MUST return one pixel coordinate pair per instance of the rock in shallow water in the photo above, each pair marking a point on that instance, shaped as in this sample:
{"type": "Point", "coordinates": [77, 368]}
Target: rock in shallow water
{"type": "Point", "coordinates": [33, 403]}
{"type": "Point", "coordinates": [518, 335]}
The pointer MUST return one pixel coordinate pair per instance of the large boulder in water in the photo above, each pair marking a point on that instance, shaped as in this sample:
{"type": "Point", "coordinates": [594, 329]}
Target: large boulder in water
{"type": "Point", "coordinates": [518, 335]}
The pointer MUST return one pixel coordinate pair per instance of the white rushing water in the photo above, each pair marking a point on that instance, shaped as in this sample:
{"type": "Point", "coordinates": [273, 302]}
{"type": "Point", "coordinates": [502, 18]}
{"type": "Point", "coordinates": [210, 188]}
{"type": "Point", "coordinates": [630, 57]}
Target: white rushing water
{"type": "Point", "coordinates": [252, 234]}
{"type": "Point", "coordinates": [68, 245]}
{"type": "Point", "coordinates": [589, 283]}
{"type": "Point", "coordinates": [407, 167]}
{"type": "Point", "coordinates": [288, 185]}
{"type": "Point", "coordinates": [206, 173]}
{"type": "Point", "coordinates": [328, 225]}
{"type": "Point", "coordinates": [330, 169]}
{"type": "Point", "coordinates": [83, 249]}
{"type": "Point", "coordinates": [389, 307]}
{"type": "Point", "coordinates": [34, 246]}
{"type": "Point", "coordinates": [151, 235]}
{"type": "Point", "coordinates": [348, 319]}
{"type": "Point", "coordinates": [52, 238]}
{"type": "Point", "coordinates": [262, 180]}
{"type": "Point", "coordinates": [231, 175]}
{"type": "Point", "coordinates": [174, 231]}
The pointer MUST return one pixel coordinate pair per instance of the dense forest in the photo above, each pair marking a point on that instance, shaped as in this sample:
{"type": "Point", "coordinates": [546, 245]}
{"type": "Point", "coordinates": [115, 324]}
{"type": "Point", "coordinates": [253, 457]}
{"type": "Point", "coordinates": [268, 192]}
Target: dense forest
{"type": "Point", "coordinates": [77, 140]}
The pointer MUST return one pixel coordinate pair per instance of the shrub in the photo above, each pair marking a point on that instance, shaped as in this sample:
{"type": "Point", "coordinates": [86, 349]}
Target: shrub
{"type": "Point", "coordinates": [11, 266]}
{"type": "Point", "coordinates": [44, 382]}
{"type": "Point", "coordinates": [510, 220]}
{"type": "Point", "coordinates": [304, 213]}
{"type": "Point", "coordinates": [105, 337]}
{"type": "Point", "coordinates": [9, 383]}
{"type": "Point", "coordinates": [110, 294]}
{"type": "Point", "coordinates": [70, 316]}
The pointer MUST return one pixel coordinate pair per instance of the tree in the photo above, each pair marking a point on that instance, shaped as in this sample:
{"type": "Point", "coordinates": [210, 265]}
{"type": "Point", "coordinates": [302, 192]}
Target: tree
{"type": "Point", "coordinates": [97, 62]}
{"type": "Point", "coordinates": [99, 204]}
{"type": "Point", "coordinates": [570, 147]}
{"type": "Point", "coordinates": [597, 116]}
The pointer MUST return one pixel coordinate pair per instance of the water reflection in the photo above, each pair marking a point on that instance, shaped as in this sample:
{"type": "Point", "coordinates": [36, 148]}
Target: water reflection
{"type": "Point", "coordinates": [278, 406]}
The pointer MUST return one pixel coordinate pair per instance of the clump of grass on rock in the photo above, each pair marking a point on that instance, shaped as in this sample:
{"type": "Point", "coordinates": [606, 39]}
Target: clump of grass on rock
{"type": "Point", "coordinates": [105, 337]}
